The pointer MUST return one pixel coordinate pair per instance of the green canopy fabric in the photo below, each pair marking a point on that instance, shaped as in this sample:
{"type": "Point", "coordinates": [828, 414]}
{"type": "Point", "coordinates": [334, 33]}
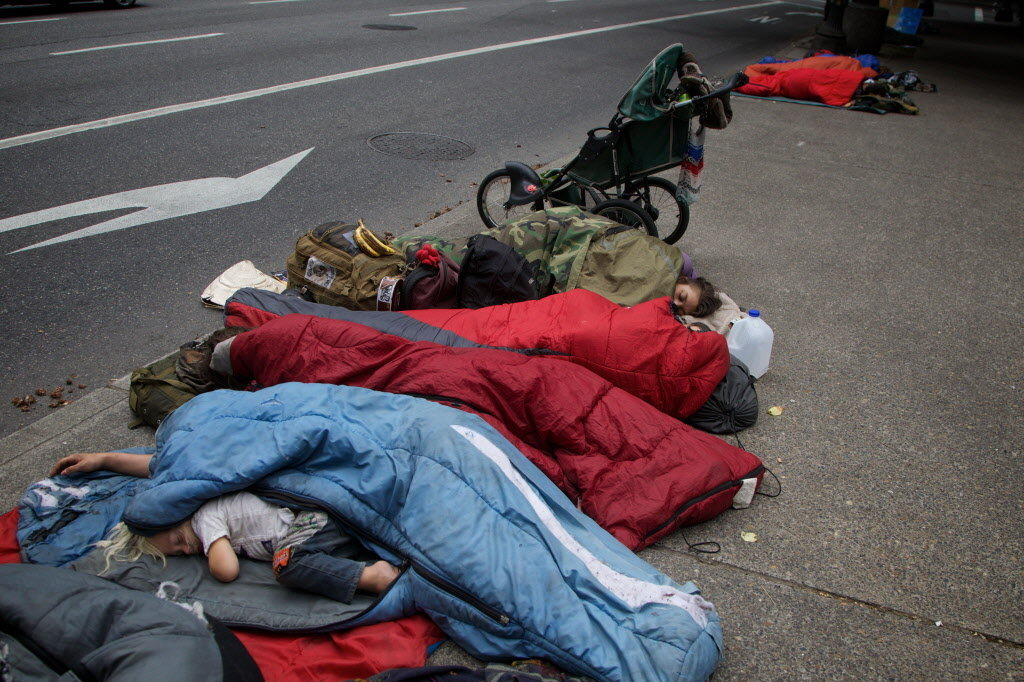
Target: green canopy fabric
{"type": "Point", "coordinates": [647, 99]}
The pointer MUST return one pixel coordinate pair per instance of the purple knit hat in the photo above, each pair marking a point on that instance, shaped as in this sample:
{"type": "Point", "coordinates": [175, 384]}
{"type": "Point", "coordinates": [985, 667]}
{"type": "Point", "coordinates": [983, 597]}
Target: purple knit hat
{"type": "Point", "coordinates": [688, 269]}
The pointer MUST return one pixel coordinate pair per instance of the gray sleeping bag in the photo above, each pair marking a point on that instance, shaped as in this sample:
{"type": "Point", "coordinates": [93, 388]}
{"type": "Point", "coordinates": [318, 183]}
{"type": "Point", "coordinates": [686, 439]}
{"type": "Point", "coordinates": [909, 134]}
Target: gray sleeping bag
{"type": "Point", "coordinates": [58, 624]}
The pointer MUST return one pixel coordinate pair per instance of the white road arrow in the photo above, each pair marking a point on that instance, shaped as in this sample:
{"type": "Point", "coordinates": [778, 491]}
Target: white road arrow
{"type": "Point", "coordinates": [159, 202]}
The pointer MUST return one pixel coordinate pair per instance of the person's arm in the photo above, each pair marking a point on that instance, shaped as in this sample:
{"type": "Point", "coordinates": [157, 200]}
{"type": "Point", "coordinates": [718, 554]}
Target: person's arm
{"type": "Point", "coordinates": [118, 462]}
{"type": "Point", "coordinates": [223, 560]}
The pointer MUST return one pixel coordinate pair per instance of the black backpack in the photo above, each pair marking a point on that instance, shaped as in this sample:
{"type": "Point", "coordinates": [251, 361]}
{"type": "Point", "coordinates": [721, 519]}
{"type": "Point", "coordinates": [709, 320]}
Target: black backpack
{"type": "Point", "coordinates": [732, 406]}
{"type": "Point", "coordinates": [494, 273]}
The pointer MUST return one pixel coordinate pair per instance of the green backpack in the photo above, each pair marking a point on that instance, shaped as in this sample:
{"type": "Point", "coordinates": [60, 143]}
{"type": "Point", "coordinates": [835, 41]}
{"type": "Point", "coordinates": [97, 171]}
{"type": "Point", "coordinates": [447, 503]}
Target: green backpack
{"type": "Point", "coordinates": [155, 391]}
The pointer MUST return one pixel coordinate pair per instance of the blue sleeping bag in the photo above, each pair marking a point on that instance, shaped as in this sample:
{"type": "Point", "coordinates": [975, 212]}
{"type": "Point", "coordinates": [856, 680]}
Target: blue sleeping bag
{"type": "Point", "coordinates": [489, 548]}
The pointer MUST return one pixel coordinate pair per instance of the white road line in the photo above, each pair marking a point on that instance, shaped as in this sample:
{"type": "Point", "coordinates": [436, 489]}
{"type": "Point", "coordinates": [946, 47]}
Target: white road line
{"type": "Point", "coordinates": [274, 89]}
{"type": "Point", "coordinates": [28, 21]}
{"type": "Point", "coordinates": [145, 42]}
{"type": "Point", "coordinates": [271, 2]}
{"type": "Point", "coordinates": [426, 11]}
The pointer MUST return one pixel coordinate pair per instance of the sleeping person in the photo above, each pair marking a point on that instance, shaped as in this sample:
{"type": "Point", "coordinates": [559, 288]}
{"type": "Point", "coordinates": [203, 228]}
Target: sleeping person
{"type": "Point", "coordinates": [308, 550]}
{"type": "Point", "coordinates": [696, 300]}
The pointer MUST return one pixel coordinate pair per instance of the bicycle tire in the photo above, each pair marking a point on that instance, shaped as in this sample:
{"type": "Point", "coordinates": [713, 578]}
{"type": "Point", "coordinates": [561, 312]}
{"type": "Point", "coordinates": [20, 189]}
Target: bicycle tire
{"type": "Point", "coordinates": [626, 213]}
{"type": "Point", "coordinates": [491, 197]}
{"type": "Point", "coordinates": [658, 197]}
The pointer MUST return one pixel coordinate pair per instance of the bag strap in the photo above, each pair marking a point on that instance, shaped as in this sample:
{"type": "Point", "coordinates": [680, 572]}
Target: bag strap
{"type": "Point", "coordinates": [170, 382]}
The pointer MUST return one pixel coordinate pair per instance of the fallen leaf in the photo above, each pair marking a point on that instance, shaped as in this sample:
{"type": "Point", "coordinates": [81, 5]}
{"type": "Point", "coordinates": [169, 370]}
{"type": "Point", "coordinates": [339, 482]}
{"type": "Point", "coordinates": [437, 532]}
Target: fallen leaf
{"type": "Point", "coordinates": [775, 410]}
{"type": "Point", "coordinates": [748, 536]}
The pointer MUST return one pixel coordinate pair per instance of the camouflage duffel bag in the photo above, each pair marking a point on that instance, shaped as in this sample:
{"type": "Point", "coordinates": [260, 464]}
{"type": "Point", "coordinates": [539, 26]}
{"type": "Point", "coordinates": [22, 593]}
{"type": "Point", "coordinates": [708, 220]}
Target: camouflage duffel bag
{"type": "Point", "coordinates": [568, 248]}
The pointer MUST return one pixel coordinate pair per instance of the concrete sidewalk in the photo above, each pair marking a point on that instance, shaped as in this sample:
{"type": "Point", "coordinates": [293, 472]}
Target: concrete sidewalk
{"type": "Point", "coordinates": [885, 253]}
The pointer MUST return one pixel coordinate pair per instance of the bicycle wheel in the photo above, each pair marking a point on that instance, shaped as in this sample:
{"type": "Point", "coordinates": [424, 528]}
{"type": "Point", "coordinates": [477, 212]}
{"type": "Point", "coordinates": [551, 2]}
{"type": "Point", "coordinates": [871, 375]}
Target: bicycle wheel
{"type": "Point", "coordinates": [657, 196]}
{"type": "Point", "coordinates": [626, 213]}
{"type": "Point", "coordinates": [491, 197]}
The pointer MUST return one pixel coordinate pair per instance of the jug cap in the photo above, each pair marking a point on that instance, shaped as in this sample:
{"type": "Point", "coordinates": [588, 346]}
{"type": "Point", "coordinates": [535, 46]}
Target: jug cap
{"type": "Point", "coordinates": [754, 312]}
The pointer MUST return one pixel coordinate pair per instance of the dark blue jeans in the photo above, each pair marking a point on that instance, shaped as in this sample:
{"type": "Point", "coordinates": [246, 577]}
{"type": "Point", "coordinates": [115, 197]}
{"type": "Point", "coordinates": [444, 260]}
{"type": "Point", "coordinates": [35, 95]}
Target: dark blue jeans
{"type": "Point", "coordinates": [329, 564]}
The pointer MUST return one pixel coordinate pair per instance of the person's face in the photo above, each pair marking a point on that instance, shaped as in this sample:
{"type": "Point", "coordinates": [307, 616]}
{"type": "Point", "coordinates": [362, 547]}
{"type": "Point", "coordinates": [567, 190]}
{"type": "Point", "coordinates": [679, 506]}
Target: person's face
{"type": "Point", "coordinates": [686, 297]}
{"type": "Point", "coordinates": [178, 540]}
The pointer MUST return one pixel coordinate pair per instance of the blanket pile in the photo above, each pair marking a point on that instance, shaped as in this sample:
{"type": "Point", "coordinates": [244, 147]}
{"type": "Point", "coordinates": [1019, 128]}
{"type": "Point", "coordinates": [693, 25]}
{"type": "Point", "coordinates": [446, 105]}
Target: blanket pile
{"type": "Point", "coordinates": [831, 80]}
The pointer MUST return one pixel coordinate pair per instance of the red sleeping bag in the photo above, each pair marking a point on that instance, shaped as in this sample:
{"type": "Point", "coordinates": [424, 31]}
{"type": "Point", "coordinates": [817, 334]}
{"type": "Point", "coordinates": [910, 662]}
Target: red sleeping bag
{"type": "Point", "coordinates": [831, 80]}
{"type": "Point", "coordinates": [637, 472]}
{"type": "Point", "coordinates": [642, 350]}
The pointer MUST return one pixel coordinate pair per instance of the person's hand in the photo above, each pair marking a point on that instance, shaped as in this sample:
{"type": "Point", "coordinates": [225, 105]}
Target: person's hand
{"type": "Point", "coordinates": [79, 463]}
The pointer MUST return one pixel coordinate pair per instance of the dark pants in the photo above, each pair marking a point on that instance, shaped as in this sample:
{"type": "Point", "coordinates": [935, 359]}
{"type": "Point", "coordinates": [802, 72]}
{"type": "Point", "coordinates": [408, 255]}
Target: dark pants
{"type": "Point", "coordinates": [329, 564]}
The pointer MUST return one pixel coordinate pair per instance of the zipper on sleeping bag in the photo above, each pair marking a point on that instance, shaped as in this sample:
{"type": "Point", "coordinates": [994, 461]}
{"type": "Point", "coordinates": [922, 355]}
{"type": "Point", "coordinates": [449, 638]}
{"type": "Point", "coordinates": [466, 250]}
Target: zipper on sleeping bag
{"type": "Point", "coordinates": [756, 471]}
{"type": "Point", "coordinates": [445, 586]}
{"type": "Point", "coordinates": [431, 577]}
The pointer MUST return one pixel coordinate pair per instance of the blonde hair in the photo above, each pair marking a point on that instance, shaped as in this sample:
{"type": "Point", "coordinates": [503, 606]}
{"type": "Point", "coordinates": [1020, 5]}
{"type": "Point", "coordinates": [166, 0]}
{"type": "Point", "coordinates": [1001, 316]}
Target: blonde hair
{"type": "Point", "coordinates": [121, 544]}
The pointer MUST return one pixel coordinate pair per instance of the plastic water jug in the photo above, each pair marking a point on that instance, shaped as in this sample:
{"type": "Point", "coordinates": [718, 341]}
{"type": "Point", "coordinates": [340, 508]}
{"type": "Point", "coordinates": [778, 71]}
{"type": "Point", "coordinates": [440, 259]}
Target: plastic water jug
{"type": "Point", "coordinates": [750, 340]}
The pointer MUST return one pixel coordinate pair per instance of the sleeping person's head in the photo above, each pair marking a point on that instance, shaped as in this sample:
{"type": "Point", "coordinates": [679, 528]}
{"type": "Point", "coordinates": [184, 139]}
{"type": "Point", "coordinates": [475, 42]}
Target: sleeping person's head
{"type": "Point", "coordinates": [696, 297]}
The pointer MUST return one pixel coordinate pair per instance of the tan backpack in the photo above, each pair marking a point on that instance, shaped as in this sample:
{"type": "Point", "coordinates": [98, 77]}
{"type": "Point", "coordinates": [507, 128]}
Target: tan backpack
{"type": "Point", "coordinates": [342, 264]}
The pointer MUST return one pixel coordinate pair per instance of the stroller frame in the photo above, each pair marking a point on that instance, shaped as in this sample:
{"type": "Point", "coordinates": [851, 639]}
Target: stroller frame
{"type": "Point", "coordinates": [614, 173]}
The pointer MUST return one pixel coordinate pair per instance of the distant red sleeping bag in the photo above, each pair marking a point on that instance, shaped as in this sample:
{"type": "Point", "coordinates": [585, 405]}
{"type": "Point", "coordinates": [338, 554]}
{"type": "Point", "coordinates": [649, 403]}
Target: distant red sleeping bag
{"type": "Point", "coordinates": [831, 80]}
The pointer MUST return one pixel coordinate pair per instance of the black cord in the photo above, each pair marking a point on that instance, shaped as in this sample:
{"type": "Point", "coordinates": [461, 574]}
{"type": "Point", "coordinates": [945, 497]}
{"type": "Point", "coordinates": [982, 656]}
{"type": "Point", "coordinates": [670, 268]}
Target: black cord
{"type": "Point", "coordinates": [698, 546]}
{"type": "Point", "coordinates": [777, 482]}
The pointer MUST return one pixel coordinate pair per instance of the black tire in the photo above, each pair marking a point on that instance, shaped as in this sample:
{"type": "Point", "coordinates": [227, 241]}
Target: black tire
{"type": "Point", "coordinates": [491, 196]}
{"type": "Point", "coordinates": [119, 4]}
{"type": "Point", "coordinates": [657, 196]}
{"type": "Point", "coordinates": [626, 213]}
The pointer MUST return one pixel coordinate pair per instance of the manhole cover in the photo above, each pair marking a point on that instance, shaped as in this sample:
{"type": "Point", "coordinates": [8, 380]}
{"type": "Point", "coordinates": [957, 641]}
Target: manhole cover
{"type": "Point", "coordinates": [420, 146]}
{"type": "Point", "coordinates": [389, 27]}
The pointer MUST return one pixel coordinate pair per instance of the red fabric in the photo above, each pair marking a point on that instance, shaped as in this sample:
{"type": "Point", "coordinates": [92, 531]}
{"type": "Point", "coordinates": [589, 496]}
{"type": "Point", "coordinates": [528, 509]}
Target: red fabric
{"type": "Point", "coordinates": [628, 466]}
{"type": "Point", "coordinates": [642, 350]}
{"type": "Point", "coordinates": [835, 87]}
{"type": "Point", "coordinates": [828, 79]}
{"type": "Point", "coordinates": [236, 315]}
{"type": "Point", "coordinates": [832, 62]}
{"type": "Point", "coordinates": [283, 657]}
{"type": "Point", "coordinates": [356, 653]}
{"type": "Point", "coordinates": [10, 552]}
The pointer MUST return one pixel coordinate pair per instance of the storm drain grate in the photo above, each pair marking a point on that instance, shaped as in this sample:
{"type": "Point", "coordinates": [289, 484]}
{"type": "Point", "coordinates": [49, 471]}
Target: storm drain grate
{"type": "Point", "coordinates": [425, 146]}
{"type": "Point", "coordinates": [389, 27]}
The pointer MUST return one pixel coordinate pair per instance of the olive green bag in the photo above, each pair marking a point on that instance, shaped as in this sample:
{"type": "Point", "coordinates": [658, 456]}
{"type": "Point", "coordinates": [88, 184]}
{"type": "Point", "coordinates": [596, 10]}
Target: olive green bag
{"type": "Point", "coordinates": [329, 266]}
{"type": "Point", "coordinates": [572, 249]}
{"type": "Point", "coordinates": [155, 391]}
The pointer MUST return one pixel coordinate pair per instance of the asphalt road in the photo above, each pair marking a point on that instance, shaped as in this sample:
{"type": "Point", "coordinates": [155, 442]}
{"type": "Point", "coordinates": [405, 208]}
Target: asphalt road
{"type": "Point", "coordinates": [131, 124]}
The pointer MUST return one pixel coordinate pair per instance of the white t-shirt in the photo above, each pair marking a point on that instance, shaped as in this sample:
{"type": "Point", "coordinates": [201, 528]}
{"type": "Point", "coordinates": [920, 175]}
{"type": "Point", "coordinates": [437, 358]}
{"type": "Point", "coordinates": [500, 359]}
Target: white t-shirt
{"type": "Point", "coordinates": [252, 526]}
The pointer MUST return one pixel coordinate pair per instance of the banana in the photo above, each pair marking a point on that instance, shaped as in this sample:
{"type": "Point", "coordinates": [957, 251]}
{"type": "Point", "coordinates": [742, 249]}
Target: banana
{"type": "Point", "coordinates": [381, 247]}
{"type": "Point", "coordinates": [364, 244]}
